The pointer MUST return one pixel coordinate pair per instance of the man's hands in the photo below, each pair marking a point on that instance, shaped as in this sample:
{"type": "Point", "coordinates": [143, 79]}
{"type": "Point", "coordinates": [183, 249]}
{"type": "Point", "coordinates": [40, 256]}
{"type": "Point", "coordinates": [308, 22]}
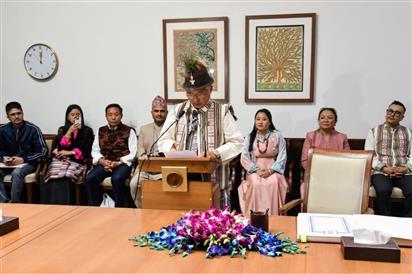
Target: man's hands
{"type": "Point", "coordinates": [109, 165]}
{"type": "Point", "coordinates": [397, 171]}
{"type": "Point", "coordinates": [213, 155]}
{"type": "Point", "coordinates": [13, 161]}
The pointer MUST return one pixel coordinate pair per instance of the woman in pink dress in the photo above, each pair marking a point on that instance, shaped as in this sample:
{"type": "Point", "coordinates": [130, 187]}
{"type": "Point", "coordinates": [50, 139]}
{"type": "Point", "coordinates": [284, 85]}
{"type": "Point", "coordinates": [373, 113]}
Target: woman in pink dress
{"type": "Point", "coordinates": [324, 137]}
{"type": "Point", "coordinates": [264, 158]}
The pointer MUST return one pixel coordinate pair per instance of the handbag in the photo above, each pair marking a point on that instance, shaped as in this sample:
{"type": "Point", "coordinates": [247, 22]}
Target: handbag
{"type": "Point", "coordinates": [107, 201]}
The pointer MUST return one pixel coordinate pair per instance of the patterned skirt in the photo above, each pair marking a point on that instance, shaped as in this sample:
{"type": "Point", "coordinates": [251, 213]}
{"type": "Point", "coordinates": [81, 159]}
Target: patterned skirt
{"type": "Point", "coordinates": [63, 168]}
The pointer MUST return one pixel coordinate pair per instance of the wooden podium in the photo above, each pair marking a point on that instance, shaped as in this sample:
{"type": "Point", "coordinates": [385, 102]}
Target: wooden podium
{"type": "Point", "coordinates": [175, 191]}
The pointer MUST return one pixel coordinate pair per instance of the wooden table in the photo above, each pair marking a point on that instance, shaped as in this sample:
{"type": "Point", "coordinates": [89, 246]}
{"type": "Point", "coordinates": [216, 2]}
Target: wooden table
{"type": "Point", "coordinates": [95, 240]}
{"type": "Point", "coordinates": [33, 221]}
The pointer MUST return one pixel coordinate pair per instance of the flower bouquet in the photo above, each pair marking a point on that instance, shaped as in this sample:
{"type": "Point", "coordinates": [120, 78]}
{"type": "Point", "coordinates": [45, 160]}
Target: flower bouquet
{"type": "Point", "coordinates": [219, 232]}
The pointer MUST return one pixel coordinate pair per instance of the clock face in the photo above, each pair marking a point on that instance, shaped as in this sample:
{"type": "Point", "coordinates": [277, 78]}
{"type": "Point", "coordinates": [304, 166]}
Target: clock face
{"type": "Point", "coordinates": [40, 61]}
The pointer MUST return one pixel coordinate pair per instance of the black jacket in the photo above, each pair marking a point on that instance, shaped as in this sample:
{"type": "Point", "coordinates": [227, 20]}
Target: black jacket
{"type": "Point", "coordinates": [26, 142]}
{"type": "Point", "coordinates": [84, 142]}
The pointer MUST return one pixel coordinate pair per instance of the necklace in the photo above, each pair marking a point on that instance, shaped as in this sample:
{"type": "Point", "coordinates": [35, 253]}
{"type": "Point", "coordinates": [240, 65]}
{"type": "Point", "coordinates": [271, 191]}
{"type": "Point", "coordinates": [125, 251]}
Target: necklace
{"type": "Point", "coordinates": [266, 145]}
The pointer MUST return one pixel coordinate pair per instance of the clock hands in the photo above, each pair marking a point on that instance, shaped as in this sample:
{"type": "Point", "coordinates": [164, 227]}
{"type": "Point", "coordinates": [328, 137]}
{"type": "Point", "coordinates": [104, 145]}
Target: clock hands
{"type": "Point", "coordinates": [37, 57]}
{"type": "Point", "coordinates": [40, 57]}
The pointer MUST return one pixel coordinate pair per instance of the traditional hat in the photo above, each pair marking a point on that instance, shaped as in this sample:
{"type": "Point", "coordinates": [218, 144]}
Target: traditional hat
{"type": "Point", "coordinates": [197, 75]}
{"type": "Point", "coordinates": [158, 101]}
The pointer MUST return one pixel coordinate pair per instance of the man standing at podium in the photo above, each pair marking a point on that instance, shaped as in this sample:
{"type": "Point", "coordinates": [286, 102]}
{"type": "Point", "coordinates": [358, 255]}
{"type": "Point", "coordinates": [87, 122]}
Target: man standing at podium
{"type": "Point", "coordinates": [205, 126]}
{"type": "Point", "coordinates": [148, 134]}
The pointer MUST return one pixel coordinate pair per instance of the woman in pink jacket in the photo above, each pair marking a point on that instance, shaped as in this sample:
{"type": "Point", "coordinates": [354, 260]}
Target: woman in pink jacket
{"type": "Point", "coordinates": [324, 137]}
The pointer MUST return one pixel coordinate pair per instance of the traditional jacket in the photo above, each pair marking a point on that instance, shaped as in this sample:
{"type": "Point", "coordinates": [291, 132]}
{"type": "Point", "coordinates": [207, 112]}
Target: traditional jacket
{"type": "Point", "coordinates": [115, 144]}
{"type": "Point", "coordinates": [217, 129]}
{"type": "Point", "coordinates": [315, 138]}
{"type": "Point", "coordinates": [80, 142]}
{"type": "Point", "coordinates": [392, 147]}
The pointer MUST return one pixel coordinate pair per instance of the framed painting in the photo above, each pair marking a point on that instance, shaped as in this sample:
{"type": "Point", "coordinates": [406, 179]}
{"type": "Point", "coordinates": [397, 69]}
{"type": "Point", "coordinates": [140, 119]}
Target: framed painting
{"type": "Point", "coordinates": [280, 58]}
{"type": "Point", "coordinates": [205, 39]}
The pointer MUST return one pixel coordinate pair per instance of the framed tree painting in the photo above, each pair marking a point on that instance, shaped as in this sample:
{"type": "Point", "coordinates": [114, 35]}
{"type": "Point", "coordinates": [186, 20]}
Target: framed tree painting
{"type": "Point", "coordinates": [205, 39]}
{"type": "Point", "coordinates": [280, 58]}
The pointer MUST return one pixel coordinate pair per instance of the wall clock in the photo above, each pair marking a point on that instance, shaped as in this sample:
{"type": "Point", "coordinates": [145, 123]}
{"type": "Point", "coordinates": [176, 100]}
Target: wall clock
{"type": "Point", "coordinates": [41, 62]}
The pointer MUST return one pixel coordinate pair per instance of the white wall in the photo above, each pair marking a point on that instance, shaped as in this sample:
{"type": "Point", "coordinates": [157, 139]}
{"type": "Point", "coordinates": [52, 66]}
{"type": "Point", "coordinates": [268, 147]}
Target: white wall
{"type": "Point", "coordinates": [112, 52]}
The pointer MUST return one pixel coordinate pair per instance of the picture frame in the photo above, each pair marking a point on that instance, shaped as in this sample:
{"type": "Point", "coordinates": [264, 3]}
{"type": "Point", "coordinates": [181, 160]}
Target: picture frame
{"type": "Point", "coordinates": [280, 58]}
{"type": "Point", "coordinates": [206, 39]}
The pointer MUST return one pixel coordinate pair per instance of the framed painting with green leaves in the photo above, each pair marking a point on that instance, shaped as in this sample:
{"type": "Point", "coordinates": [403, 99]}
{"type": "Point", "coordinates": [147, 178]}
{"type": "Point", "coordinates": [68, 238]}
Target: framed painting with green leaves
{"type": "Point", "coordinates": [205, 39]}
{"type": "Point", "coordinates": [280, 58]}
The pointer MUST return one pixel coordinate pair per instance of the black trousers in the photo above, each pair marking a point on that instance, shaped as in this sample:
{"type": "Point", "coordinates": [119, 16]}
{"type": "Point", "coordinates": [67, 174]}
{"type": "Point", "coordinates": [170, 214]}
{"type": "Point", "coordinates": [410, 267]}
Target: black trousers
{"type": "Point", "coordinates": [118, 178]}
{"type": "Point", "coordinates": [383, 186]}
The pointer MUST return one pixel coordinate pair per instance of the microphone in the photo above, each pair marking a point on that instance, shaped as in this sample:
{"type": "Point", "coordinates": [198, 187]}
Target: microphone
{"type": "Point", "coordinates": [150, 154]}
{"type": "Point", "coordinates": [179, 115]}
{"type": "Point", "coordinates": [194, 121]}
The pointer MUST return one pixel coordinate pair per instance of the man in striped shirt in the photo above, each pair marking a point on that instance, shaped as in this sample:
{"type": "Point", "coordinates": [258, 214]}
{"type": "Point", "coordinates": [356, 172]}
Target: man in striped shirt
{"type": "Point", "coordinates": [392, 163]}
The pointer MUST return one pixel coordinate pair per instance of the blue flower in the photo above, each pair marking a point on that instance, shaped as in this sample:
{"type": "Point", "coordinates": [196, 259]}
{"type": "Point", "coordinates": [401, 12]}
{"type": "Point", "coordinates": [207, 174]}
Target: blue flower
{"type": "Point", "coordinates": [220, 232]}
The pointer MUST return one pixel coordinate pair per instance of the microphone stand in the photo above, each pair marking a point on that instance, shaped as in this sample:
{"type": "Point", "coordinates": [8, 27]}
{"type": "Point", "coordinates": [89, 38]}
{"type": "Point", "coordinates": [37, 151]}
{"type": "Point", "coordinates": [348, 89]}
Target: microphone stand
{"type": "Point", "coordinates": [181, 113]}
{"type": "Point", "coordinates": [150, 154]}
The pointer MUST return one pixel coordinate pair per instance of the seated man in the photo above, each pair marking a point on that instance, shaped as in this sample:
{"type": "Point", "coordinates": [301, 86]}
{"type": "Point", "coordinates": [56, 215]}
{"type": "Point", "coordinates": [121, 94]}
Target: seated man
{"type": "Point", "coordinates": [114, 149]}
{"type": "Point", "coordinates": [205, 126]}
{"type": "Point", "coordinates": [392, 162]}
{"type": "Point", "coordinates": [148, 134]}
{"type": "Point", "coordinates": [22, 145]}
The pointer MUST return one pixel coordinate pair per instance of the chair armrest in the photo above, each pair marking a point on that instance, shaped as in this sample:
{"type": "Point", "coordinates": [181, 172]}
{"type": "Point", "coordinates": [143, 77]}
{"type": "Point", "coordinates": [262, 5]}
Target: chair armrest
{"type": "Point", "coordinates": [302, 175]}
{"type": "Point", "coordinates": [42, 165]}
{"type": "Point", "coordinates": [289, 177]}
{"type": "Point", "coordinates": [288, 206]}
{"type": "Point", "coordinates": [87, 163]}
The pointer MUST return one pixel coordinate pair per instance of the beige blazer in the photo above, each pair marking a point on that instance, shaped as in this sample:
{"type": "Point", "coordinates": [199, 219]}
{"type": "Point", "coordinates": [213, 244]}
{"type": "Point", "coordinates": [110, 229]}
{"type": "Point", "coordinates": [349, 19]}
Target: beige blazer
{"type": "Point", "coordinates": [147, 136]}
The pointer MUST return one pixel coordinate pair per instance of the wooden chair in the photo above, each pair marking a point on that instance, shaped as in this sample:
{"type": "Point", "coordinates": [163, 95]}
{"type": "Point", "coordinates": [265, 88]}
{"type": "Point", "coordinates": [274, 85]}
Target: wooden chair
{"type": "Point", "coordinates": [33, 178]}
{"type": "Point", "coordinates": [82, 179]}
{"type": "Point", "coordinates": [337, 181]}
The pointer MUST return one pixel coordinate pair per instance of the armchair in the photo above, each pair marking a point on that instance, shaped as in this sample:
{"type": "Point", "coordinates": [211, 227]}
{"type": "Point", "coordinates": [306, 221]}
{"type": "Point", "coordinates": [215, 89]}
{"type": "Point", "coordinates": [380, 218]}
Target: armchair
{"type": "Point", "coordinates": [337, 181]}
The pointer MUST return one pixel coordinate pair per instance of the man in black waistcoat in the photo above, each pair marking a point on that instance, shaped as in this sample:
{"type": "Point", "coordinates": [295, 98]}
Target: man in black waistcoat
{"type": "Point", "coordinates": [114, 149]}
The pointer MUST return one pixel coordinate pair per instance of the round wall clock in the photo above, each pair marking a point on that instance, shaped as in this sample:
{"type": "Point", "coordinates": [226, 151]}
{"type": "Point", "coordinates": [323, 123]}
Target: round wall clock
{"type": "Point", "coordinates": [41, 62]}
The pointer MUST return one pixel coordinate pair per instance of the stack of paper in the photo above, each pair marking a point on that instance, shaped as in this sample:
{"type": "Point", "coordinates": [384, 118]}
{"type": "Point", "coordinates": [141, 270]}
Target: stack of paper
{"type": "Point", "coordinates": [330, 227]}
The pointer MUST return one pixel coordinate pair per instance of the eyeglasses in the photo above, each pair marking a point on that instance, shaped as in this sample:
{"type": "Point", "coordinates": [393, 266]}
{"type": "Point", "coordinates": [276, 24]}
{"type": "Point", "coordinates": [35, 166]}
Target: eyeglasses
{"type": "Point", "coordinates": [395, 113]}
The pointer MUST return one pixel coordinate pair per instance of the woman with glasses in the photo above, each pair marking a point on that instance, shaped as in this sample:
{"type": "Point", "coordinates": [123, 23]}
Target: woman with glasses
{"type": "Point", "coordinates": [324, 137]}
{"type": "Point", "coordinates": [264, 158]}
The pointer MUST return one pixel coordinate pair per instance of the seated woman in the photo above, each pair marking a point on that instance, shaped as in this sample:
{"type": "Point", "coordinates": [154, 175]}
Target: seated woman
{"type": "Point", "coordinates": [324, 137]}
{"type": "Point", "coordinates": [74, 143]}
{"type": "Point", "coordinates": [264, 158]}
